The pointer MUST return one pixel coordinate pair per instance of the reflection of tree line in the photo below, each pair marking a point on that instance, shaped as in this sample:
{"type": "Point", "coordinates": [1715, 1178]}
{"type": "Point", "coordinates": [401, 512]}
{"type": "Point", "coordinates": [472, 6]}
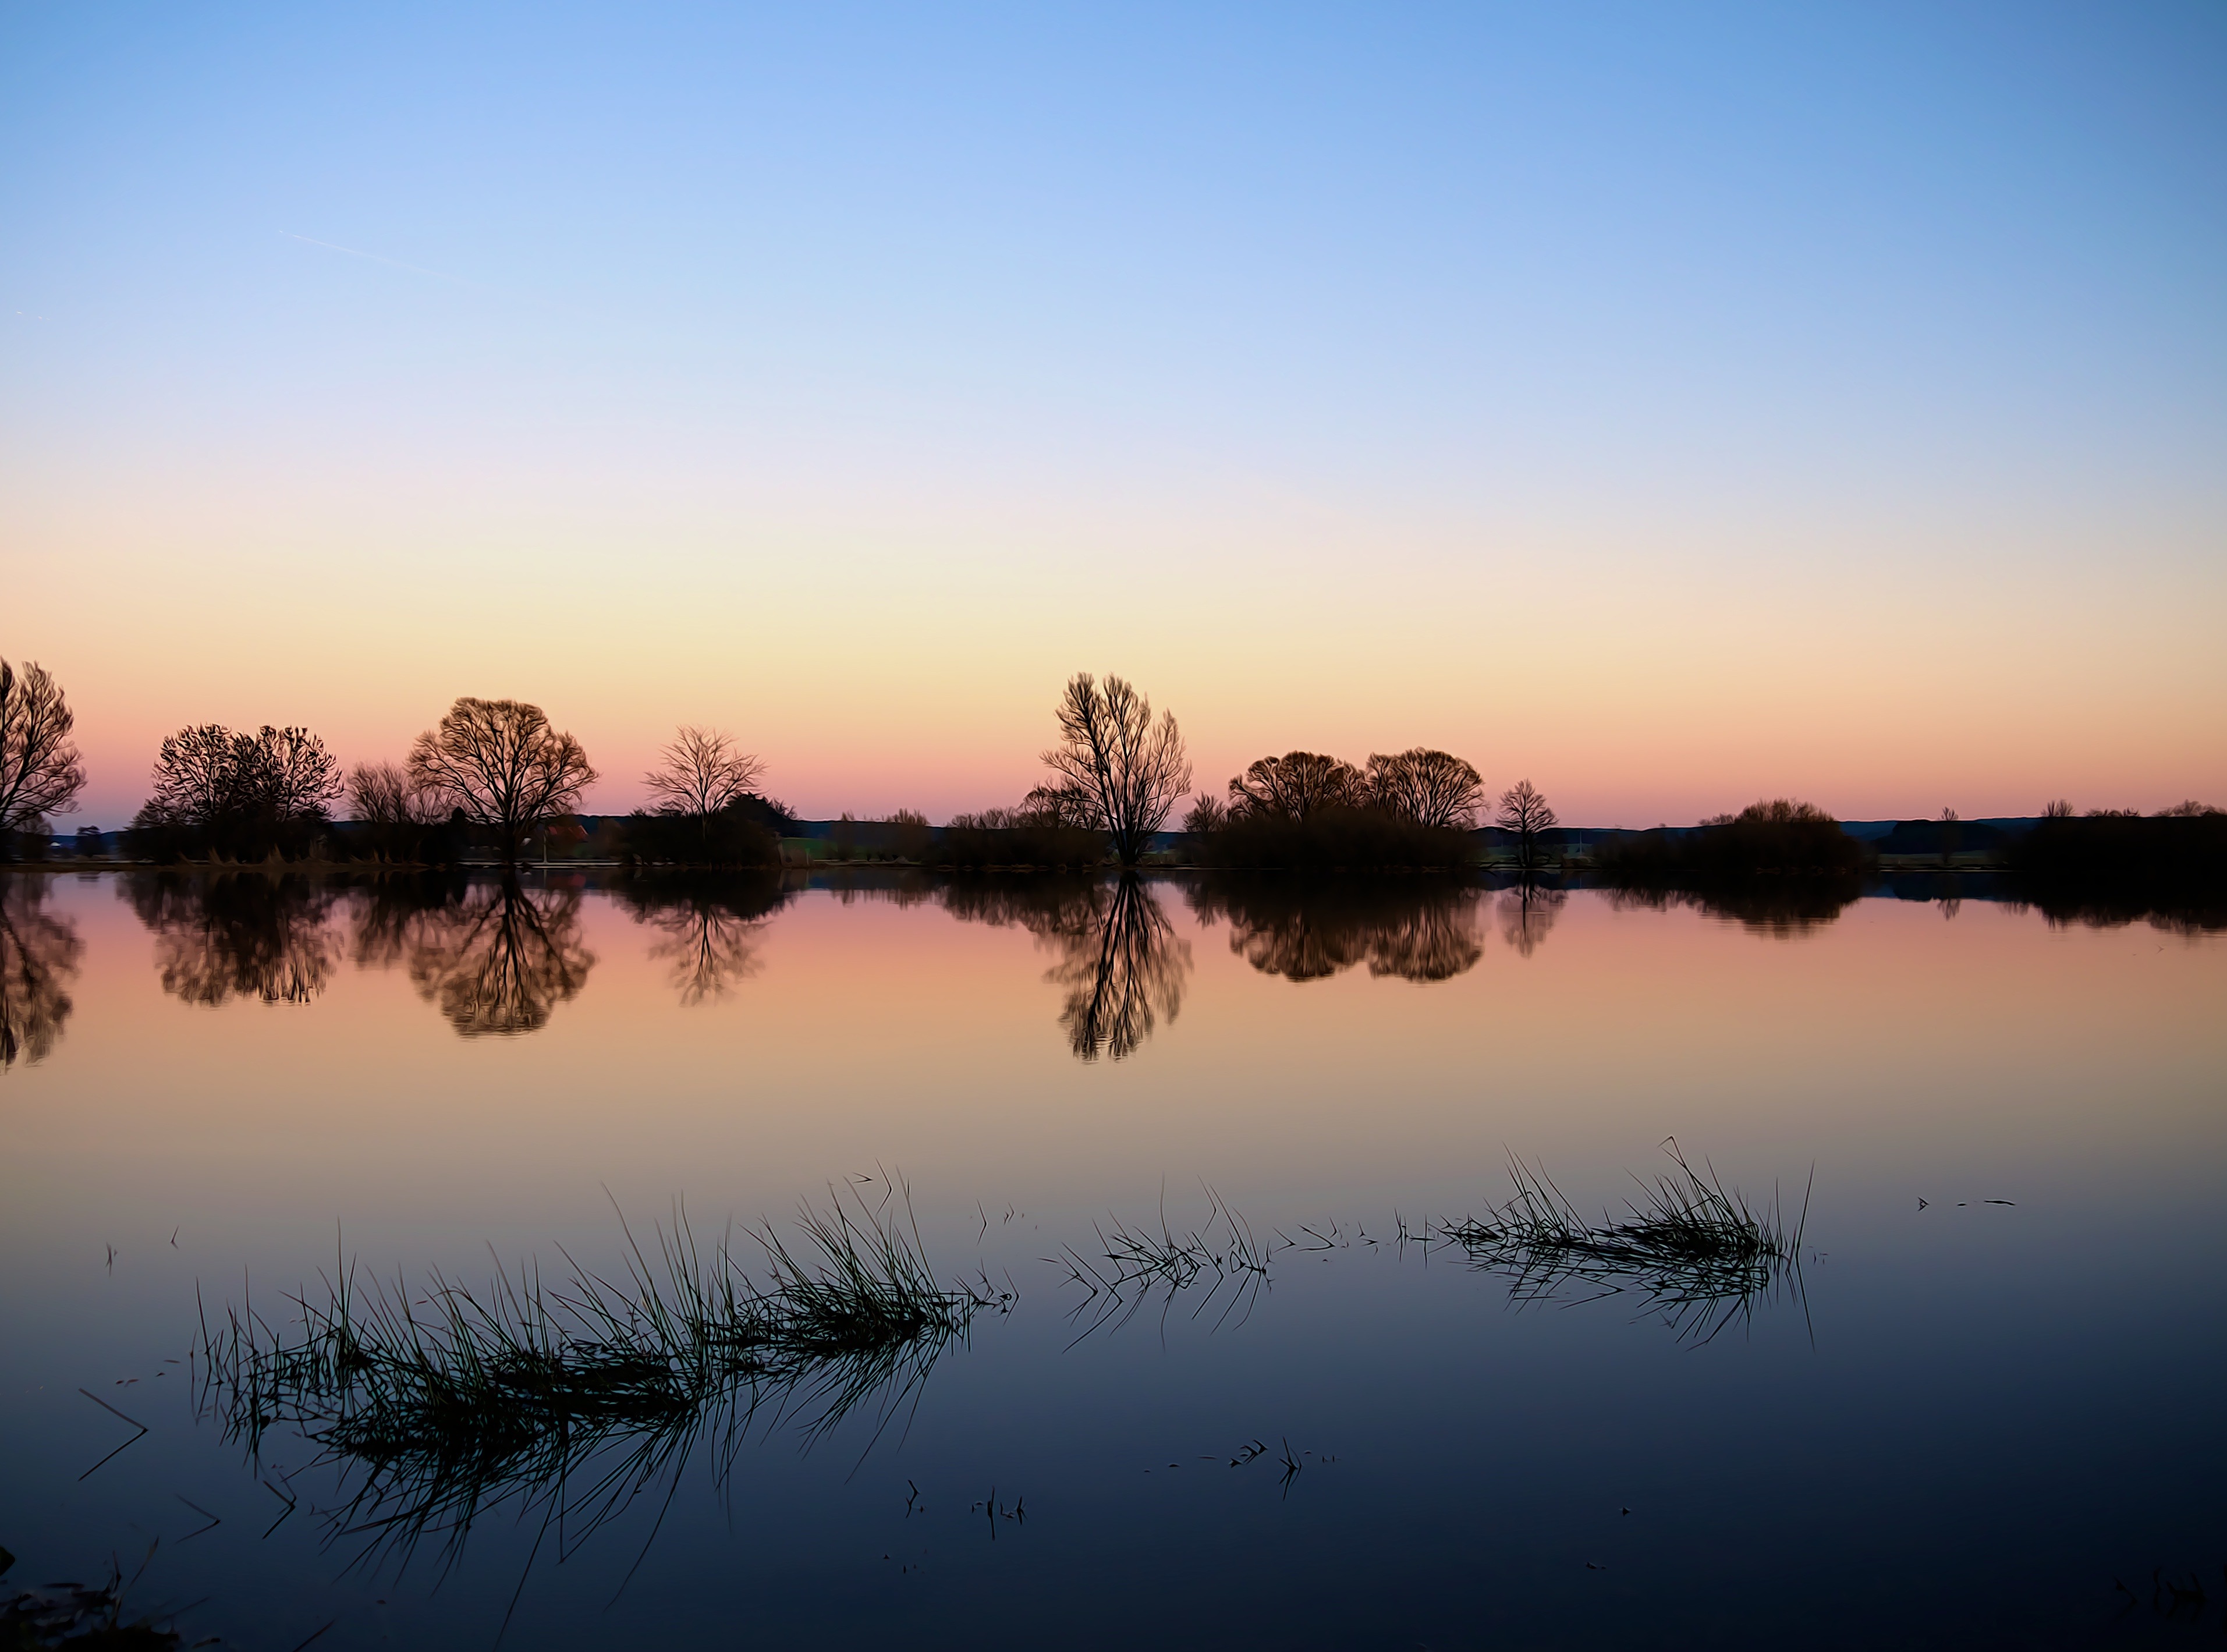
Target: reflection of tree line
{"type": "Point", "coordinates": [39, 953]}
{"type": "Point", "coordinates": [495, 957]}
{"type": "Point", "coordinates": [498, 956]}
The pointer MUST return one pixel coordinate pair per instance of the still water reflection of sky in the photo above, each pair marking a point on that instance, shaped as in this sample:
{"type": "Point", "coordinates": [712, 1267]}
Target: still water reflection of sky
{"type": "Point", "coordinates": [1974, 1419]}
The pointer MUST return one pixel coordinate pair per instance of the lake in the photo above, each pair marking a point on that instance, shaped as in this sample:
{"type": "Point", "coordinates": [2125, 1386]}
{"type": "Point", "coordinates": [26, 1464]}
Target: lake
{"type": "Point", "coordinates": [1976, 1402]}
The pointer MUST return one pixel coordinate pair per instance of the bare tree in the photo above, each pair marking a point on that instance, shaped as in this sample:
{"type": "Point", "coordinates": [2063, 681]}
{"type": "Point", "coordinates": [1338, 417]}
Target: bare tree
{"type": "Point", "coordinates": [1297, 784]}
{"type": "Point", "coordinates": [244, 795]}
{"type": "Point", "coordinates": [1130, 770]}
{"type": "Point", "coordinates": [40, 774]}
{"type": "Point", "coordinates": [1206, 815]}
{"type": "Point", "coordinates": [702, 772]}
{"type": "Point", "coordinates": [500, 762]}
{"type": "Point", "coordinates": [195, 781]}
{"type": "Point", "coordinates": [288, 773]}
{"type": "Point", "coordinates": [395, 812]}
{"type": "Point", "coordinates": [1524, 810]}
{"type": "Point", "coordinates": [1432, 788]}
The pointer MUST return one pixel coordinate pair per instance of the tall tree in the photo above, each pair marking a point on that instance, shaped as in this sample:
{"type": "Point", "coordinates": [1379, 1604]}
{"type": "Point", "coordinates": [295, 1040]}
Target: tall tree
{"type": "Point", "coordinates": [1524, 810]}
{"type": "Point", "coordinates": [1129, 771]}
{"type": "Point", "coordinates": [40, 773]}
{"type": "Point", "coordinates": [500, 762]}
{"type": "Point", "coordinates": [1432, 788]}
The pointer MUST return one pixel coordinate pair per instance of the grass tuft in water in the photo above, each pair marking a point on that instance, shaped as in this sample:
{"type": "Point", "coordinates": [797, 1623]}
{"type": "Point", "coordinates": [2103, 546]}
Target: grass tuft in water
{"type": "Point", "coordinates": [1696, 1252]}
{"type": "Point", "coordinates": [577, 1397]}
{"type": "Point", "coordinates": [1133, 1265]}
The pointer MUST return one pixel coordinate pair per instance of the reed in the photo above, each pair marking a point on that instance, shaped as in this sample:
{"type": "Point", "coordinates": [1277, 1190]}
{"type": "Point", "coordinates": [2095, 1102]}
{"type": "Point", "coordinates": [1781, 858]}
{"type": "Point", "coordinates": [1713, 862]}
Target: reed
{"type": "Point", "coordinates": [1697, 1254]}
{"type": "Point", "coordinates": [577, 1397]}
{"type": "Point", "coordinates": [1133, 1265]}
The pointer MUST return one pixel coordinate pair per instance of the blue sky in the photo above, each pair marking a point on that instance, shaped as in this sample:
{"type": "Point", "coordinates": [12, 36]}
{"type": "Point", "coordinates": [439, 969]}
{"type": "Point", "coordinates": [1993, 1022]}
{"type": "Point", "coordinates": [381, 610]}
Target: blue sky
{"type": "Point", "coordinates": [1268, 354]}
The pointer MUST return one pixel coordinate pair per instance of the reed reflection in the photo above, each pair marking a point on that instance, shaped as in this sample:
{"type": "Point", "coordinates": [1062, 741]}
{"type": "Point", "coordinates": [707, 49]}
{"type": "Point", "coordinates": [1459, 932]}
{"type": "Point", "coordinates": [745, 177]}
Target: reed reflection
{"type": "Point", "coordinates": [708, 928]}
{"type": "Point", "coordinates": [243, 934]}
{"type": "Point", "coordinates": [1305, 931]}
{"type": "Point", "coordinates": [1119, 960]}
{"type": "Point", "coordinates": [39, 954]}
{"type": "Point", "coordinates": [496, 957]}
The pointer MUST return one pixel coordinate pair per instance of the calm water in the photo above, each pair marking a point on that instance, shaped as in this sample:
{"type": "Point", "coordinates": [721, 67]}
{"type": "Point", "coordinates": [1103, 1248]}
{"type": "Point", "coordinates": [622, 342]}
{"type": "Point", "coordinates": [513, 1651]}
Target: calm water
{"type": "Point", "coordinates": [1963, 1424]}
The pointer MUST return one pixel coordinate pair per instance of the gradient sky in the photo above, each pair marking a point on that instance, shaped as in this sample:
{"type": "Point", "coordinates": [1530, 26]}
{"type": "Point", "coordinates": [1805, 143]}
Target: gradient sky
{"type": "Point", "coordinates": [1673, 405]}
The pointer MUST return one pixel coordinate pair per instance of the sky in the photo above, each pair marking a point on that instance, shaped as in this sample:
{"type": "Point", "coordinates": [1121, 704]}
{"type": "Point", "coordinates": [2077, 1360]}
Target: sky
{"type": "Point", "coordinates": [1672, 405]}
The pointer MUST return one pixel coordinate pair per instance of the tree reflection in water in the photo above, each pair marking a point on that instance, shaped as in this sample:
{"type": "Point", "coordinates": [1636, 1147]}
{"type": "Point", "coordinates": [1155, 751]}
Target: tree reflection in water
{"type": "Point", "coordinates": [249, 934]}
{"type": "Point", "coordinates": [708, 927]}
{"type": "Point", "coordinates": [1119, 959]}
{"type": "Point", "coordinates": [1527, 911]}
{"type": "Point", "coordinates": [1784, 907]}
{"type": "Point", "coordinates": [39, 953]}
{"type": "Point", "coordinates": [1418, 930]}
{"type": "Point", "coordinates": [495, 956]}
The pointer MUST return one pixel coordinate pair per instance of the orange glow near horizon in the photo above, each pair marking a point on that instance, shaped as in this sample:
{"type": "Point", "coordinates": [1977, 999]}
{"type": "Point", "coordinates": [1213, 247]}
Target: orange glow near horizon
{"type": "Point", "coordinates": [1630, 698]}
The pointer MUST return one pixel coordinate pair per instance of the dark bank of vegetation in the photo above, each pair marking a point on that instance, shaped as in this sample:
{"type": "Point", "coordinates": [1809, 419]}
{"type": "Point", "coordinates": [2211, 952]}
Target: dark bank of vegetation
{"type": "Point", "coordinates": [1775, 839]}
{"type": "Point", "coordinates": [442, 1403]}
{"type": "Point", "coordinates": [1306, 812]}
{"type": "Point", "coordinates": [1042, 832]}
{"type": "Point", "coordinates": [2112, 866]}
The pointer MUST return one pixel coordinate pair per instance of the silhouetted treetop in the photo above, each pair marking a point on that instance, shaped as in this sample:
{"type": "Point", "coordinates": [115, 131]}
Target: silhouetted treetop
{"type": "Point", "coordinates": [500, 762]}
{"type": "Point", "coordinates": [218, 792]}
{"type": "Point", "coordinates": [1115, 763]}
{"type": "Point", "coordinates": [1432, 788]}
{"type": "Point", "coordinates": [1296, 784]}
{"type": "Point", "coordinates": [702, 771]}
{"type": "Point", "coordinates": [40, 771]}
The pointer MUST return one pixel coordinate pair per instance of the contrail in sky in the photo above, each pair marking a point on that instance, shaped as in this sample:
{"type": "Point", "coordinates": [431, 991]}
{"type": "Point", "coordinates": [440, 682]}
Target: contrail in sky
{"type": "Point", "coordinates": [415, 268]}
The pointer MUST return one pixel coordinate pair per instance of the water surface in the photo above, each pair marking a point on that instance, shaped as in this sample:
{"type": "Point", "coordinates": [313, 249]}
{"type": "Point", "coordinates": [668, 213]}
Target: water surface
{"type": "Point", "coordinates": [1966, 1422]}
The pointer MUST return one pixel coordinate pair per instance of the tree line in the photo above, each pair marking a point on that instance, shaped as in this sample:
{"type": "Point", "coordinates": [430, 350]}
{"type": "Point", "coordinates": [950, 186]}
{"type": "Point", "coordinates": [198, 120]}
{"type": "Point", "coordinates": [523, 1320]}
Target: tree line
{"type": "Point", "coordinates": [494, 772]}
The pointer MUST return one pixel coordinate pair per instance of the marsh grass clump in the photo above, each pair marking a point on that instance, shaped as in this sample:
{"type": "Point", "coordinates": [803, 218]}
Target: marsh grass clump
{"type": "Point", "coordinates": [1133, 1265]}
{"type": "Point", "coordinates": [1696, 1252]}
{"type": "Point", "coordinates": [575, 1397]}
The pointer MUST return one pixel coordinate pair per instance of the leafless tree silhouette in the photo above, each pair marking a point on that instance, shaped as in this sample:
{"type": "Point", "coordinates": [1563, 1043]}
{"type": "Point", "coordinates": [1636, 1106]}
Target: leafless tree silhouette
{"type": "Point", "coordinates": [40, 773]}
{"type": "Point", "coordinates": [39, 954]}
{"type": "Point", "coordinates": [1524, 810]}
{"type": "Point", "coordinates": [1296, 784]}
{"type": "Point", "coordinates": [1114, 759]}
{"type": "Point", "coordinates": [1432, 788]}
{"type": "Point", "coordinates": [395, 812]}
{"type": "Point", "coordinates": [501, 763]}
{"type": "Point", "coordinates": [702, 773]}
{"type": "Point", "coordinates": [221, 793]}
